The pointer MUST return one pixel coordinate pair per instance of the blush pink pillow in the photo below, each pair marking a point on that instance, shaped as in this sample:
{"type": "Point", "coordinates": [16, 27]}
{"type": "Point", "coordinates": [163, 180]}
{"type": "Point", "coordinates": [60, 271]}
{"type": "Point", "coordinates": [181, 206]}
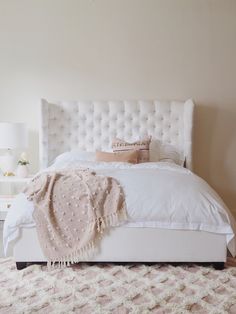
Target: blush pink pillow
{"type": "Point", "coordinates": [130, 156]}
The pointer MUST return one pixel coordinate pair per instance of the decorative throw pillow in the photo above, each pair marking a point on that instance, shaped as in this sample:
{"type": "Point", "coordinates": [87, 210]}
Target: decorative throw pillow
{"type": "Point", "coordinates": [130, 156]}
{"type": "Point", "coordinates": [142, 146]}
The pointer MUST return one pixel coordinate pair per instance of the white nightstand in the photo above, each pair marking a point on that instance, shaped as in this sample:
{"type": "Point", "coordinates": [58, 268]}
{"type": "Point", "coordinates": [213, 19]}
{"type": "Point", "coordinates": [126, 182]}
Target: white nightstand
{"type": "Point", "coordinates": [9, 187]}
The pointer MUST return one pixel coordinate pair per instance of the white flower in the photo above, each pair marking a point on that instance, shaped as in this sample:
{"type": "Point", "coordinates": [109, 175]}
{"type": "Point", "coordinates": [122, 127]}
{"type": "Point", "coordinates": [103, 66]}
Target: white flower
{"type": "Point", "coordinates": [24, 156]}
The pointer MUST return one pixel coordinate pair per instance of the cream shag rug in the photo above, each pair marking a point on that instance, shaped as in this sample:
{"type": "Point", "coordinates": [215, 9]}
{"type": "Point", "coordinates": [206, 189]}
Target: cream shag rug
{"type": "Point", "coordinates": [117, 289]}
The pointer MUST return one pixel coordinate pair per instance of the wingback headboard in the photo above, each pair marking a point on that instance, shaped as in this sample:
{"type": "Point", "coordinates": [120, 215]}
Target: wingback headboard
{"type": "Point", "coordinates": [91, 125]}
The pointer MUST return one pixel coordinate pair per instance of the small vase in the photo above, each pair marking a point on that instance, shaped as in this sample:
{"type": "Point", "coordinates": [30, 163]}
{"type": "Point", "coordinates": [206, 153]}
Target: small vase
{"type": "Point", "coordinates": [22, 171]}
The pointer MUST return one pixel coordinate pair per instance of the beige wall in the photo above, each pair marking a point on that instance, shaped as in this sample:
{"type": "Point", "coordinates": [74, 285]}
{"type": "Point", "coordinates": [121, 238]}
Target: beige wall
{"type": "Point", "coordinates": [107, 49]}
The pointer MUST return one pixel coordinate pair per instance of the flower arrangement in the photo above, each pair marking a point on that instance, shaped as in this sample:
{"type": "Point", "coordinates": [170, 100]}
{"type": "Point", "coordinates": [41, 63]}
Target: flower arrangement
{"type": "Point", "coordinates": [23, 161]}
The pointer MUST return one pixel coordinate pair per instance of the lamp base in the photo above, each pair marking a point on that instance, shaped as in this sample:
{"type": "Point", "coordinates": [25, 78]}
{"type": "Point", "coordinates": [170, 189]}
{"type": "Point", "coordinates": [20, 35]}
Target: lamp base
{"type": "Point", "coordinates": [8, 163]}
{"type": "Point", "coordinates": [8, 174]}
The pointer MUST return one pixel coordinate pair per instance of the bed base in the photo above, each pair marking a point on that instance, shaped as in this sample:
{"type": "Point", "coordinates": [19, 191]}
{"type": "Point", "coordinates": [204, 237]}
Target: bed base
{"type": "Point", "coordinates": [146, 245]}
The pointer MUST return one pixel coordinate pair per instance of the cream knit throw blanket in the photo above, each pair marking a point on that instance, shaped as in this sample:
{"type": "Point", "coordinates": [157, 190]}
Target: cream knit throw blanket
{"type": "Point", "coordinates": [72, 208]}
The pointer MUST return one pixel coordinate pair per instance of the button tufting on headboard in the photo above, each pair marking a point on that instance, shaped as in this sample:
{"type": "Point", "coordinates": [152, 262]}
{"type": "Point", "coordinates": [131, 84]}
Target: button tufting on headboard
{"type": "Point", "coordinates": [91, 125]}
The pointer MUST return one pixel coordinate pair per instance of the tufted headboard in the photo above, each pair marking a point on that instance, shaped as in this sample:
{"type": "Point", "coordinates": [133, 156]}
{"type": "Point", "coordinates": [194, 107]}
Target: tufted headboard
{"type": "Point", "coordinates": [91, 125]}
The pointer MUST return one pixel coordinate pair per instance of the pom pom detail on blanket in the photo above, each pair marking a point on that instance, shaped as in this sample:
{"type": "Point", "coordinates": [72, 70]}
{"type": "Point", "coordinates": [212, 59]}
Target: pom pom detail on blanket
{"type": "Point", "coordinates": [72, 209]}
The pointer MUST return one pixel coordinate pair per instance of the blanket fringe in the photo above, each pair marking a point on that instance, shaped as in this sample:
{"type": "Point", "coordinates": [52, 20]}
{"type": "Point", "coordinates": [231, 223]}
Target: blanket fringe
{"type": "Point", "coordinates": [76, 256]}
{"type": "Point", "coordinates": [84, 253]}
{"type": "Point", "coordinates": [111, 220]}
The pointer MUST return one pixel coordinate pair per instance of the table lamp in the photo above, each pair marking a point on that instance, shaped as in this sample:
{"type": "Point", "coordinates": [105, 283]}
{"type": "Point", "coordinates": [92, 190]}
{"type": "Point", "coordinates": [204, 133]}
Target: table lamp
{"type": "Point", "coordinates": [12, 136]}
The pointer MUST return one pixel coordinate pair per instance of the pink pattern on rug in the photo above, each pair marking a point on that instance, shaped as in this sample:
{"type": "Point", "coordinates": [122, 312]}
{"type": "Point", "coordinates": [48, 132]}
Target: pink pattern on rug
{"type": "Point", "coordinates": [116, 289]}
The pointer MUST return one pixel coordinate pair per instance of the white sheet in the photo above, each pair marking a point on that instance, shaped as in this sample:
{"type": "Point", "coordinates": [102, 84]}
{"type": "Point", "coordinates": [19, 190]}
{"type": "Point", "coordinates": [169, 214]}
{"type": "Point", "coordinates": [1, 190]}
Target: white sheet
{"type": "Point", "coordinates": [161, 195]}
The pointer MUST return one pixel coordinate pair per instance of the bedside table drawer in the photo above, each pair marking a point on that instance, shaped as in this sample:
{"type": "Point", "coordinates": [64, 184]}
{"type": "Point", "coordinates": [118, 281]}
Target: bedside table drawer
{"type": "Point", "coordinates": [9, 188]}
{"type": "Point", "coordinates": [5, 204]}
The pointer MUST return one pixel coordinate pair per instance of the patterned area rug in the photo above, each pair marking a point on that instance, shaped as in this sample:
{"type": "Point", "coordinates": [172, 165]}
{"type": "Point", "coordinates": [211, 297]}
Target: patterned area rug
{"type": "Point", "coordinates": [116, 289]}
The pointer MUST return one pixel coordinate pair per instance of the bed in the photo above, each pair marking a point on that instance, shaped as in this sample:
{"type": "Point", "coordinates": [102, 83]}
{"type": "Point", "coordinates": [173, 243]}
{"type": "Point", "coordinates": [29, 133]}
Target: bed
{"type": "Point", "coordinates": [90, 126]}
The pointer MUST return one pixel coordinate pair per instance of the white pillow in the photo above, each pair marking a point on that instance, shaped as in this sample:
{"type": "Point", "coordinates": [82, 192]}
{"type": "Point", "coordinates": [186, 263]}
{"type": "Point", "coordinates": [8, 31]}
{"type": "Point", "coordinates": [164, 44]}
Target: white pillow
{"type": "Point", "coordinates": [165, 152]}
{"type": "Point", "coordinates": [75, 155]}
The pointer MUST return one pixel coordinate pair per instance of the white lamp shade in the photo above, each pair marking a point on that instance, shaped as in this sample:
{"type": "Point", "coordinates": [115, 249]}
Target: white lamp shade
{"type": "Point", "coordinates": [13, 135]}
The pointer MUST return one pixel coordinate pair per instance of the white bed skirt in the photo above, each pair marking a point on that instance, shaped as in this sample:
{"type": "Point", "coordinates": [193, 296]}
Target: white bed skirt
{"type": "Point", "coordinates": [124, 244]}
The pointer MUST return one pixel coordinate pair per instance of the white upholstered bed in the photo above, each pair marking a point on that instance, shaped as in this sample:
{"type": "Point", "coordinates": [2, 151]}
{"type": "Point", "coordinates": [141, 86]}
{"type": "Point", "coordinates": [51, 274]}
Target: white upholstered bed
{"type": "Point", "coordinates": [91, 126]}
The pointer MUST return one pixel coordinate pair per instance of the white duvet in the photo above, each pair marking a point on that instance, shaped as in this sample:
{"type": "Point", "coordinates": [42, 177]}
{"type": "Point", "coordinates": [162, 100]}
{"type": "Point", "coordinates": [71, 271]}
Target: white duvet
{"type": "Point", "coordinates": [158, 195]}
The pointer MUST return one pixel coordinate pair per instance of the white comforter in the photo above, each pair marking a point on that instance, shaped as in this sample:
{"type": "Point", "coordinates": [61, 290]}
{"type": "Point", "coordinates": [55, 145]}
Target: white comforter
{"type": "Point", "coordinates": [161, 195]}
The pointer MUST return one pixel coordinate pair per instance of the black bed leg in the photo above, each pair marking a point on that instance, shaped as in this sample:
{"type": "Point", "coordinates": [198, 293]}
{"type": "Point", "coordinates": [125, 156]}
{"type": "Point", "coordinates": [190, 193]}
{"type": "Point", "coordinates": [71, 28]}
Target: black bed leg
{"type": "Point", "coordinates": [219, 265]}
{"type": "Point", "coordinates": [21, 265]}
